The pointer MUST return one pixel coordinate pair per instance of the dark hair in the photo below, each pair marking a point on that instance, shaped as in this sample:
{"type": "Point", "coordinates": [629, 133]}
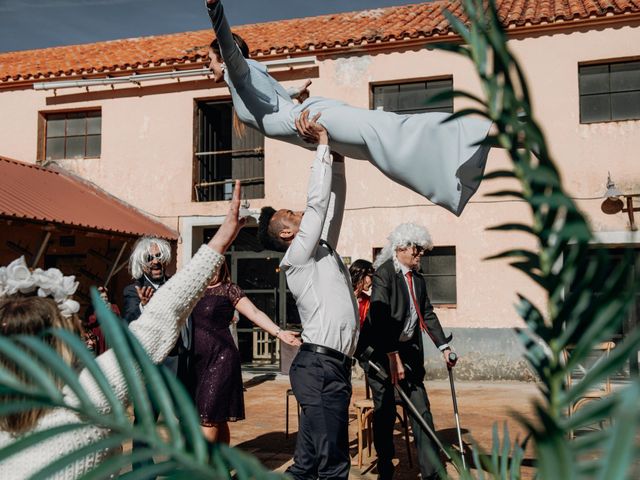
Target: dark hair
{"type": "Point", "coordinates": [242, 45]}
{"type": "Point", "coordinates": [268, 232]}
{"type": "Point", "coordinates": [359, 270]}
{"type": "Point", "coordinates": [223, 275]}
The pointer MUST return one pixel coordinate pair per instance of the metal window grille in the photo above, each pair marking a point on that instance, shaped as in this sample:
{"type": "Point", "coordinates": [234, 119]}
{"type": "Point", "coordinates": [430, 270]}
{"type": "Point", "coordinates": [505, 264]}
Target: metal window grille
{"type": "Point", "coordinates": [223, 156]}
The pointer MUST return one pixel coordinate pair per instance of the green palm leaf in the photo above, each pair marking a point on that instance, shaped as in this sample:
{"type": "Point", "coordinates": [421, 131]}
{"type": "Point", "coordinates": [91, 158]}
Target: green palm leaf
{"type": "Point", "coordinates": [177, 441]}
{"type": "Point", "coordinates": [565, 265]}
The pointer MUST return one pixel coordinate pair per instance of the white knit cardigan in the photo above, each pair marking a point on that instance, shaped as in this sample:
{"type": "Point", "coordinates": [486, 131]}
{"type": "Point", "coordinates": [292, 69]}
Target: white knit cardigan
{"type": "Point", "coordinates": [157, 330]}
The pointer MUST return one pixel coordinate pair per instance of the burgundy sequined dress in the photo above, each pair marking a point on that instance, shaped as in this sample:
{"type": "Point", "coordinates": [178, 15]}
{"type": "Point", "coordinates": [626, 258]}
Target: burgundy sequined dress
{"type": "Point", "coordinates": [216, 380]}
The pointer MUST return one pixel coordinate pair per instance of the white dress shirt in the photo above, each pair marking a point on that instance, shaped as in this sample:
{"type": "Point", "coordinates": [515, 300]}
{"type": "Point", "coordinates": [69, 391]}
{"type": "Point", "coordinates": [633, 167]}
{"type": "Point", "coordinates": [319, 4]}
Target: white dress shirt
{"type": "Point", "coordinates": [316, 275]}
{"type": "Point", "coordinates": [412, 315]}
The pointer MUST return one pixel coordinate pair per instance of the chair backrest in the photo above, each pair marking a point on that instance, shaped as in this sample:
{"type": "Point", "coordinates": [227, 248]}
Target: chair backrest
{"type": "Point", "coordinates": [600, 352]}
{"type": "Point", "coordinates": [367, 388]}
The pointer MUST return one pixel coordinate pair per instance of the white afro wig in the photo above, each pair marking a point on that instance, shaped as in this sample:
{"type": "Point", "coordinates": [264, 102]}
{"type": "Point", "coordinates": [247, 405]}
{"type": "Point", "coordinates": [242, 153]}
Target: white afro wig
{"type": "Point", "coordinates": [404, 235]}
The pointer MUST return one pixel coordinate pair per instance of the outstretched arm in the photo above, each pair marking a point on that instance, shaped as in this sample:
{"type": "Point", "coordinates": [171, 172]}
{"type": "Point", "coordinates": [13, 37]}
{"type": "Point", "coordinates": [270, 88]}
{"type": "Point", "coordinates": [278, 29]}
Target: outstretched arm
{"type": "Point", "coordinates": [159, 325]}
{"type": "Point", "coordinates": [260, 319]}
{"type": "Point", "coordinates": [335, 212]}
{"type": "Point", "coordinates": [304, 245]}
{"type": "Point", "coordinates": [236, 64]}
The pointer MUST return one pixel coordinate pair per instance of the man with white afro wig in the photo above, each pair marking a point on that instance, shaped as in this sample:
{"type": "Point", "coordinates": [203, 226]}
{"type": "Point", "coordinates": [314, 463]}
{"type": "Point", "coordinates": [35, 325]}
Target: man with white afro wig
{"type": "Point", "coordinates": [404, 235]}
{"type": "Point", "coordinates": [400, 312]}
{"type": "Point", "coordinates": [147, 263]}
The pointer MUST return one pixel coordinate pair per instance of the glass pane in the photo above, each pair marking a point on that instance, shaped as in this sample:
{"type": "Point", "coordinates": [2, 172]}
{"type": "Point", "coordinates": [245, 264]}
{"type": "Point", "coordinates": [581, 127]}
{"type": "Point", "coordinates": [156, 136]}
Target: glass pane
{"type": "Point", "coordinates": [55, 125]}
{"type": "Point", "coordinates": [258, 273]}
{"type": "Point", "coordinates": [443, 105]}
{"type": "Point", "coordinates": [75, 147]}
{"type": "Point", "coordinates": [625, 106]}
{"type": "Point", "coordinates": [385, 96]}
{"type": "Point", "coordinates": [595, 108]}
{"type": "Point", "coordinates": [625, 76]}
{"type": "Point", "coordinates": [55, 148]}
{"type": "Point", "coordinates": [93, 146]}
{"type": "Point", "coordinates": [412, 96]}
{"type": "Point", "coordinates": [439, 264]}
{"type": "Point", "coordinates": [594, 79]}
{"type": "Point", "coordinates": [94, 123]}
{"type": "Point", "coordinates": [76, 124]}
{"type": "Point", "coordinates": [441, 289]}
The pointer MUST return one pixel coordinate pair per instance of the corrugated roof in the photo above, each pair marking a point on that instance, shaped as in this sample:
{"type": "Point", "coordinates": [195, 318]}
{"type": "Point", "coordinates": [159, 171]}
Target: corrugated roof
{"type": "Point", "coordinates": [297, 36]}
{"type": "Point", "coordinates": [32, 192]}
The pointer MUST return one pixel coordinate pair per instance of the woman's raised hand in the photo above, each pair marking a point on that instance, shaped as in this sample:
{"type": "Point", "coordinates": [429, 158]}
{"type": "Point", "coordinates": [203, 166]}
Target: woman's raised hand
{"type": "Point", "coordinates": [232, 224]}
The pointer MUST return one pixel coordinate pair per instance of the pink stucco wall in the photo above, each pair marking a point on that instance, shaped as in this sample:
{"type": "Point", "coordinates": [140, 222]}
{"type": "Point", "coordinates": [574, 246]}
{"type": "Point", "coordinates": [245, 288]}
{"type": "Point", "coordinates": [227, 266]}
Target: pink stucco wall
{"type": "Point", "coordinates": [147, 152]}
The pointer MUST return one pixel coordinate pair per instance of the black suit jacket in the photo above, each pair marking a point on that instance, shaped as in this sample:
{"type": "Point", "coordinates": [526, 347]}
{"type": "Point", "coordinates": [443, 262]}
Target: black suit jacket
{"type": "Point", "coordinates": [131, 309]}
{"type": "Point", "coordinates": [389, 309]}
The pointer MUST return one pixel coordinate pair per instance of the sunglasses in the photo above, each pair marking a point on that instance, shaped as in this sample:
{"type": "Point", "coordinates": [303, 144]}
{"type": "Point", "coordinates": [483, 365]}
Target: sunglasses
{"type": "Point", "coordinates": [151, 257]}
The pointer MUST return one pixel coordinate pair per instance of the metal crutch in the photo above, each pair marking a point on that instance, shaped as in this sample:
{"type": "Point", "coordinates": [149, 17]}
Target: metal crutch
{"type": "Point", "coordinates": [453, 358]}
{"type": "Point", "coordinates": [366, 357]}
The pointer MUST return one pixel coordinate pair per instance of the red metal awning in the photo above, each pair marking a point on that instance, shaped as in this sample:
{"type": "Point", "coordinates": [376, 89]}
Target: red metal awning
{"type": "Point", "coordinates": [29, 191]}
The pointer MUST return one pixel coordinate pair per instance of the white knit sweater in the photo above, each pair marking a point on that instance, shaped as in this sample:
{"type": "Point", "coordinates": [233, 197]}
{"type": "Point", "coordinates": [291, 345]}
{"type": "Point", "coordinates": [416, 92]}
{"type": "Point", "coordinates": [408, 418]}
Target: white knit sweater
{"type": "Point", "coordinates": [157, 330]}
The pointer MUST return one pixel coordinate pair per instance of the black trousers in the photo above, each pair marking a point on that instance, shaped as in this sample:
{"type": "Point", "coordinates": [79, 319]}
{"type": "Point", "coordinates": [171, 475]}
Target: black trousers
{"type": "Point", "coordinates": [322, 387]}
{"type": "Point", "coordinates": [384, 414]}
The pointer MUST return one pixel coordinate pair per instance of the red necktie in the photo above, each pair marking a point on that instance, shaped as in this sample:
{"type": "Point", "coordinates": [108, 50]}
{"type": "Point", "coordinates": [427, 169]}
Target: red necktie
{"type": "Point", "coordinates": [409, 276]}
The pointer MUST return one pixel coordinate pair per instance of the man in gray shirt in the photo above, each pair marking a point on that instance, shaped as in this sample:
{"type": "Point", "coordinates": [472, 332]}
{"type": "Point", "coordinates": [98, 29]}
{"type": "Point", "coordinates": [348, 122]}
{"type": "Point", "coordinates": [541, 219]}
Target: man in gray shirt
{"type": "Point", "coordinates": [321, 372]}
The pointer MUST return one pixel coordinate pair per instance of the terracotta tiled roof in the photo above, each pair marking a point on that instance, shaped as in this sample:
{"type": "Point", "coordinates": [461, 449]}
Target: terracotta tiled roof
{"type": "Point", "coordinates": [32, 192]}
{"type": "Point", "coordinates": [295, 36]}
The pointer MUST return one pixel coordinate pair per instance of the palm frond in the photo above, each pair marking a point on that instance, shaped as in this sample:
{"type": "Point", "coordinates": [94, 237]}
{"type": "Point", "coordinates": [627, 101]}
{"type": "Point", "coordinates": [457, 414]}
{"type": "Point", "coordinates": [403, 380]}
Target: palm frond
{"type": "Point", "coordinates": [177, 440]}
{"type": "Point", "coordinates": [565, 265]}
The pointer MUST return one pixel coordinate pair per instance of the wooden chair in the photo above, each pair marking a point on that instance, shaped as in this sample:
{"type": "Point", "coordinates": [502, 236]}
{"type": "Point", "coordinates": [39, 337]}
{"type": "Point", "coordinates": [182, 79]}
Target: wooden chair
{"type": "Point", "coordinates": [364, 418]}
{"type": "Point", "coordinates": [601, 352]}
{"type": "Point", "coordinates": [286, 412]}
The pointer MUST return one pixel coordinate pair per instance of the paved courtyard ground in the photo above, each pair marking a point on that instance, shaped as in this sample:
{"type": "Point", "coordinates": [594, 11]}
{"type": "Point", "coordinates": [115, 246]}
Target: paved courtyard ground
{"type": "Point", "coordinates": [481, 404]}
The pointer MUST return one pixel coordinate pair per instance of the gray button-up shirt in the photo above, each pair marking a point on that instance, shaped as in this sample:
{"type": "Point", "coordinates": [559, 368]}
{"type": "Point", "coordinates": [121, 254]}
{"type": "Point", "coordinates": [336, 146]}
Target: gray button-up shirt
{"type": "Point", "coordinates": [316, 275]}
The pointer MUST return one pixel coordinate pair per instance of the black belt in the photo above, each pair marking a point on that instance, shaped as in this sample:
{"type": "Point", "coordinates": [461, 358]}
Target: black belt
{"type": "Point", "coordinates": [329, 352]}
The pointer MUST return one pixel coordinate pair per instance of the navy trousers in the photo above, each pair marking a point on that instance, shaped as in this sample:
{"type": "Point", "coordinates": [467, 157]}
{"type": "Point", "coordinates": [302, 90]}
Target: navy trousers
{"type": "Point", "coordinates": [322, 387]}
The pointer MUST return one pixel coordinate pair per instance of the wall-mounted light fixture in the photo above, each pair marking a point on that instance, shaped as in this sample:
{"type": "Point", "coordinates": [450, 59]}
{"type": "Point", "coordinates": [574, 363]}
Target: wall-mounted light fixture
{"type": "Point", "coordinates": [615, 202]}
